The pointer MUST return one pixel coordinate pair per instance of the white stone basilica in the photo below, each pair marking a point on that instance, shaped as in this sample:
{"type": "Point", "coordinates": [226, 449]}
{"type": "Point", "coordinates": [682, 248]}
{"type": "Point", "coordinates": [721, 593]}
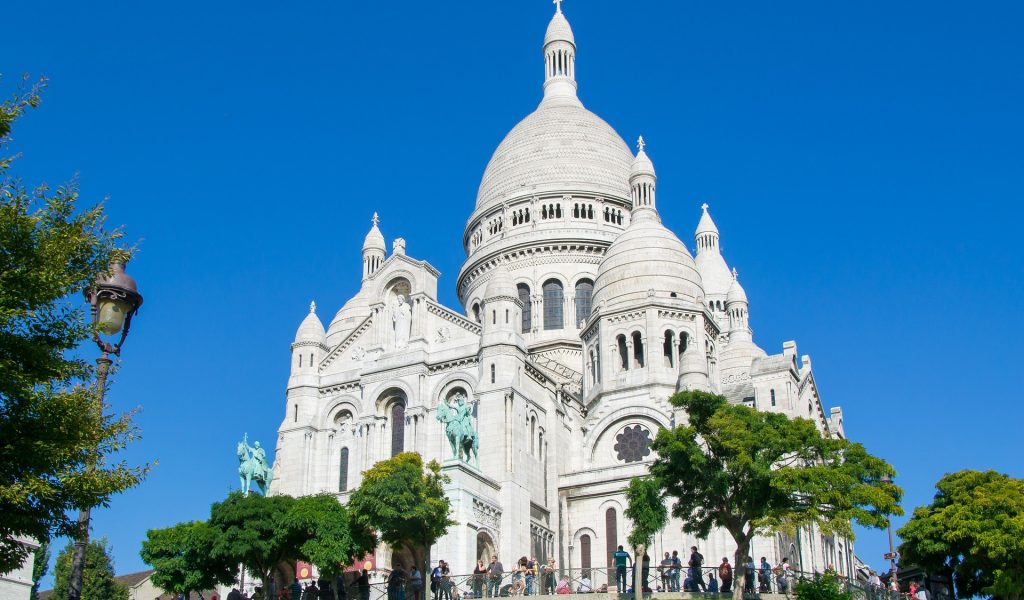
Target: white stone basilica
{"type": "Point", "coordinates": [582, 314]}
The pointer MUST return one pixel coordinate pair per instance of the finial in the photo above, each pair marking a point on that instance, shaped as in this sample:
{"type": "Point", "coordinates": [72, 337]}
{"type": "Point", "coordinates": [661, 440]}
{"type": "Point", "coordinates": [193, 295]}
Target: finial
{"type": "Point", "coordinates": [735, 275]}
{"type": "Point", "coordinates": [558, 6]}
{"type": "Point", "coordinates": [705, 207]}
{"type": "Point", "coordinates": [640, 143]}
{"type": "Point", "coordinates": [312, 307]}
{"type": "Point", "coordinates": [375, 219]}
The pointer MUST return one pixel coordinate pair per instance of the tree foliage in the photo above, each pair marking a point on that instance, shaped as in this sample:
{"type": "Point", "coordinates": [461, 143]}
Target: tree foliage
{"type": "Point", "coordinates": [40, 565]}
{"type": "Point", "coordinates": [97, 576]}
{"type": "Point", "coordinates": [332, 538]}
{"type": "Point", "coordinates": [403, 502]}
{"type": "Point", "coordinates": [646, 510]}
{"type": "Point", "coordinates": [974, 529]}
{"type": "Point", "coordinates": [53, 429]}
{"type": "Point", "coordinates": [826, 586]}
{"type": "Point", "coordinates": [752, 472]}
{"type": "Point", "coordinates": [252, 531]}
{"type": "Point", "coordinates": [183, 559]}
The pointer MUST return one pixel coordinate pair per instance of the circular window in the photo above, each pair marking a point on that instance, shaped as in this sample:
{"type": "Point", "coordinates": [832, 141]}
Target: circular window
{"type": "Point", "coordinates": [633, 444]}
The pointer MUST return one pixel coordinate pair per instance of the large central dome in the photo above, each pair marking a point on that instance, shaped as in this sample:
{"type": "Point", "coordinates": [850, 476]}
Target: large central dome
{"type": "Point", "coordinates": [559, 146]}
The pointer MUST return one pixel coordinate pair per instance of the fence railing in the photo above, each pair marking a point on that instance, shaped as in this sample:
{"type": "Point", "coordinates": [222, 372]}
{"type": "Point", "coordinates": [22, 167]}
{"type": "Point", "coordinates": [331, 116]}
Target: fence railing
{"type": "Point", "coordinates": [596, 581]}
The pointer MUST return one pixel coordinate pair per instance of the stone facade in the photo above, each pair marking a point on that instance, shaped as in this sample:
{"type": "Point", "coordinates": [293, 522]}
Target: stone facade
{"type": "Point", "coordinates": [582, 314]}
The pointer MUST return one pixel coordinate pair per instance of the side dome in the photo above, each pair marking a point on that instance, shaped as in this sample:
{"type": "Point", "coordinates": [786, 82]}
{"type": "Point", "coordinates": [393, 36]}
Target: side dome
{"type": "Point", "coordinates": [560, 146]}
{"type": "Point", "coordinates": [348, 318]}
{"type": "Point", "coordinates": [311, 329]}
{"type": "Point", "coordinates": [500, 284]}
{"type": "Point", "coordinates": [647, 256]}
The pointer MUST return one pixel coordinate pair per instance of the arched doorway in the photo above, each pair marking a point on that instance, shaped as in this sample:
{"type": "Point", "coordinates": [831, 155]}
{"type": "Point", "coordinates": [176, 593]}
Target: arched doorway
{"type": "Point", "coordinates": [485, 547]}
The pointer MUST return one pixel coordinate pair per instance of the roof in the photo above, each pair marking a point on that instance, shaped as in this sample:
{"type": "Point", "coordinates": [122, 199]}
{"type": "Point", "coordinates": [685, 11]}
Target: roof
{"type": "Point", "coordinates": [130, 580]}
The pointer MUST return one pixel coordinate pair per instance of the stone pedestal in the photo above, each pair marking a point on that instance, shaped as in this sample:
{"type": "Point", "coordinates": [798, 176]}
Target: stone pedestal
{"type": "Point", "coordinates": [476, 507]}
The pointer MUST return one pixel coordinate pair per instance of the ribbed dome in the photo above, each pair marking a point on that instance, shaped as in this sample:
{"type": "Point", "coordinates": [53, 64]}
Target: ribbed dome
{"type": "Point", "coordinates": [647, 256]}
{"type": "Point", "coordinates": [642, 164]}
{"type": "Point", "coordinates": [706, 224]}
{"type": "Point", "coordinates": [311, 329]}
{"type": "Point", "coordinates": [736, 293]}
{"type": "Point", "coordinates": [559, 30]}
{"type": "Point", "coordinates": [561, 146]}
{"type": "Point", "coordinates": [375, 239]}
{"type": "Point", "coordinates": [348, 318]}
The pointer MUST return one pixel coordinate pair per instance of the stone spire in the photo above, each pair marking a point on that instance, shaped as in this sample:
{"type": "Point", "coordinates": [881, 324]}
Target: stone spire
{"type": "Point", "coordinates": [737, 307]}
{"type": "Point", "coordinates": [642, 183]}
{"type": "Point", "coordinates": [559, 57]}
{"type": "Point", "coordinates": [707, 233]}
{"type": "Point", "coordinates": [374, 249]}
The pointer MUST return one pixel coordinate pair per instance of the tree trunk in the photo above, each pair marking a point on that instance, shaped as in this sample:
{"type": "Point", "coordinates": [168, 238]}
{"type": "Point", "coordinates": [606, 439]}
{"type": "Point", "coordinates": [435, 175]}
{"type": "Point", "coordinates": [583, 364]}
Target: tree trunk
{"type": "Point", "coordinates": [739, 571]}
{"type": "Point", "coordinates": [638, 570]}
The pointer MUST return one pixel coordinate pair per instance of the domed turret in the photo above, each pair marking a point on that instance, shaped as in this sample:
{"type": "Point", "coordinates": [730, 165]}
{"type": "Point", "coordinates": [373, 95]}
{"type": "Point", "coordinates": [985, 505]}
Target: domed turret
{"type": "Point", "coordinates": [647, 258]}
{"type": "Point", "coordinates": [374, 249]}
{"type": "Point", "coordinates": [500, 285]}
{"type": "Point", "coordinates": [713, 270]}
{"type": "Point", "coordinates": [559, 57]}
{"type": "Point", "coordinates": [309, 345]}
{"type": "Point", "coordinates": [736, 305]}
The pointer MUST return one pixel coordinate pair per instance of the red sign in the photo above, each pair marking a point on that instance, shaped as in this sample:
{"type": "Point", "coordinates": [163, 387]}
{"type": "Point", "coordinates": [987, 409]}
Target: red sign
{"type": "Point", "coordinates": [368, 562]}
{"type": "Point", "coordinates": [303, 570]}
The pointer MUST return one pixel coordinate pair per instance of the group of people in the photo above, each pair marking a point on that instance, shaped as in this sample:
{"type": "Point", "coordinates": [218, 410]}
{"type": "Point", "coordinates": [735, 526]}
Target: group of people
{"type": "Point", "coordinates": [757, 576]}
{"type": "Point", "coordinates": [525, 576]}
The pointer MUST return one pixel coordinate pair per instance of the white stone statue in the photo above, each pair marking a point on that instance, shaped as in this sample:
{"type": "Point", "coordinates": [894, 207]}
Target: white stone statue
{"type": "Point", "coordinates": [402, 318]}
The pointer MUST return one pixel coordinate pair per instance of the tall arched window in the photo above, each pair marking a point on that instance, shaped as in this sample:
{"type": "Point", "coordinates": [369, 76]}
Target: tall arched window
{"type": "Point", "coordinates": [554, 300]}
{"type": "Point", "coordinates": [584, 294]}
{"type": "Point", "coordinates": [343, 470]}
{"type": "Point", "coordinates": [585, 552]}
{"type": "Point", "coordinates": [638, 350]}
{"type": "Point", "coordinates": [533, 436]}
{"type": "Point", "coordinates": [524, 297]}
{"type": "Point", "coordinates": [476, 312]}
{"type": "Point", "coordinates": [669, 348]}
{"type": "Point", "coordinates": [773, 397]}
{"type": "Point", "coordinates": [611, 536]}
{"type": "Point", "coordinates": [397, 427]}
{"type": "Point", "coordinates": [623, 352]}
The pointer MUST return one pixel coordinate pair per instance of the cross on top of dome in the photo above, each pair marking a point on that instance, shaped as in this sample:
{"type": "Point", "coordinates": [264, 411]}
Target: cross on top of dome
{"type": "Point", "coordinates": [640, 144]}
{"type": "Point", "coordinates": [376, 219]}
{"type": "Point", "coordinates": [558, 6]}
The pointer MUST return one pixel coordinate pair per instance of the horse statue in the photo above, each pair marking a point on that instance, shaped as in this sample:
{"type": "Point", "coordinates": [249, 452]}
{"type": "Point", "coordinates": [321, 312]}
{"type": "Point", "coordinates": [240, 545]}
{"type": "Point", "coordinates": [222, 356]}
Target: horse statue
{"type": "Point", "coordinates": [252, 466]}
{"type": "Point", "coordinates": [458, 422]}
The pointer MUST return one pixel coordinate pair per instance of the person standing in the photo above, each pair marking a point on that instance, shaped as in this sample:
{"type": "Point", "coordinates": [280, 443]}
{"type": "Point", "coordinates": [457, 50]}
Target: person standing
{"type": "Point", "coordinates": [295, 588]}
{"type": "Point", "coordinates": [364, 585]}
{"type": "Point", "coordinates": [234, 594]}
{"type": "Point", "coordinates": [677, 570]}
{"type": "Point", "coordinates": [621, 558]}
{"type": "Point", "coordinates": [725, 574]}
{"type": "Point", "coordinates": [712, 583]}
{"type": "Point", "coordinates": [696, 562]}
{"type": "Point", "coordinates": [548, 577]}
{"type": "Point", "coordinates": [783, 576]}
{"type": "Point", "coordinates": [531, 575]}
{"type": "Point", "coordinates": [415, 583]}
{"type": "Point", "coordinates": [395, 579]}
{"type": "Point", "coordinates": [749, 570]}
{"type": "Point", "coordinates": [479, 575]}
{"type": "Point", "coordinates": [446, 581]}
{"type": "Point", "coordinates": [495, 571]}
{"type": "Point", "coordinates": [764, 575]}
{"type": "Point", "coordinates": [666, 573]}
{"type": "Point", "coordinates": [645, 572]}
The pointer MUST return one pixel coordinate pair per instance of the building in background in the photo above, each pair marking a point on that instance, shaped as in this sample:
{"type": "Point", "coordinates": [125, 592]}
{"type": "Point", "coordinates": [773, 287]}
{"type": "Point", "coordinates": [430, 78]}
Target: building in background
{"type": "Point", "coordinates": [581, 314]}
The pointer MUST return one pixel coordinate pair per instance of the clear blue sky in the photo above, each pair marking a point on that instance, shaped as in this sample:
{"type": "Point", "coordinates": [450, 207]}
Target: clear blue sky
{"type": "Point", "coordinates": [864, 163]}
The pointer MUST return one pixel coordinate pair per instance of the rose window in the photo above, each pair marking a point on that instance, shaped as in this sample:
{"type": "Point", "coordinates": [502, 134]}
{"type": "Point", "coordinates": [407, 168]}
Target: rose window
{"type": "Point", "coordinates": [633, 444]}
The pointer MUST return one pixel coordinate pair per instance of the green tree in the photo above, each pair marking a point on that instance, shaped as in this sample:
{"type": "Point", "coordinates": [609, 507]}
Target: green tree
{"type": "Point", "coordinates": [253, 531]}
{"type": "Point", "coordinates": [332, 538]}
{"type": "Point", "coordinates": [53, 427]}
{"type": "Point", "coordinates": [752, 472]}
{"type": "Point", "coordinates": [184, 560]}
{"type": "Point", "coordinates": [40, 565]}
{"type": "Point", "coordinates": [823, 587]}
{"type": "Point", "coordinates": [404, 503]}
{"type": "Point", "coordinates": [973, 529]}
{"type": "Point", "coordinates": [646, 511]}
{"type": "Point", "coordinates": [97, 577]}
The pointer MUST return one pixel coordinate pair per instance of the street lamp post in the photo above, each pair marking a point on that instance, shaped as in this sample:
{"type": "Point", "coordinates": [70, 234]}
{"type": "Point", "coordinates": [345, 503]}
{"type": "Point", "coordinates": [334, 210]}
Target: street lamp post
{"type": "Point", "coordinates": [888, 521]}
{"type": "Point", "coordinates": [113, 299]}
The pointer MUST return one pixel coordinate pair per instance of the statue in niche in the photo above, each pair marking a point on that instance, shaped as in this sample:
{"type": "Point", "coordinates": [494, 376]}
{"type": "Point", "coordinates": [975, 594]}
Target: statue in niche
{"type": "Point", "coordinates": [402, 318]}
{"type": "Point", "coordinates": [457, 416]}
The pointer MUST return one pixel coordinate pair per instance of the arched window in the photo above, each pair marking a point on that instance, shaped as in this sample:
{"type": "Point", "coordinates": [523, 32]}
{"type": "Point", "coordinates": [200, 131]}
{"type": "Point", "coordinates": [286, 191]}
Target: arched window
{"type": "Point", "coordinates": [638, 350]}
{"type": "Point", "coordinates": [669, 348]}
{"type": "Point", "coordinates": [611, 536]}
{"type": "Point", "coordinates": [623, 353]}
{"type": "Point", "coordinates": [554, 299]}
{"type": "Point", "coordinates": [810, 411]}
{"type": "Point", "coordinates": [296, 413]}
{"type": "Point", "coordinates": [492, 373]}
{"type": "Point", "coordinates": [343, 470]}
{"type": "Point", "coordinates": [773, 397]}
{"type": "Point", "coordinates": [584, 295]}
{"type": "Point", "coordinates": [397, 428]}
{"type": "Point", "coordinates": [476, 312]}
{"type": "Point", "coordinates": [684, 343]}
{"type": "Point", "coordinates": [300, 360]}
{"type": "Point", "coordinates": [585, 552]}
{"type": "Point", "coordinates": [524, 297]}
{"type": "Point", "coordinates": [533, 436]}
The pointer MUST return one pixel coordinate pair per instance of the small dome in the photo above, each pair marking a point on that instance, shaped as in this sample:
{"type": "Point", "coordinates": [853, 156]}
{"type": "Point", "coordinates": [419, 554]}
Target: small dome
{"type": "Point", "coordinates": [642, 164]}
{"type": "Point", "coordinates": [736, 293]}
{"type": "Point", "coordinates": [375, 239]}
{"type": "Point", "coordinates": [311, 329]}
{"type": "Point", "coordinates": [500, 284]}
{"type": "Point", "coordinates": [559, 30]}
{"type": "Point", "coordinates": [706, 225]}
{"type": "Point", "coordinates": [714, 273]}
{"type": "Point", "coordinates": [646, 257]}
{"type": "Point", "coordinates": [348, 318]}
